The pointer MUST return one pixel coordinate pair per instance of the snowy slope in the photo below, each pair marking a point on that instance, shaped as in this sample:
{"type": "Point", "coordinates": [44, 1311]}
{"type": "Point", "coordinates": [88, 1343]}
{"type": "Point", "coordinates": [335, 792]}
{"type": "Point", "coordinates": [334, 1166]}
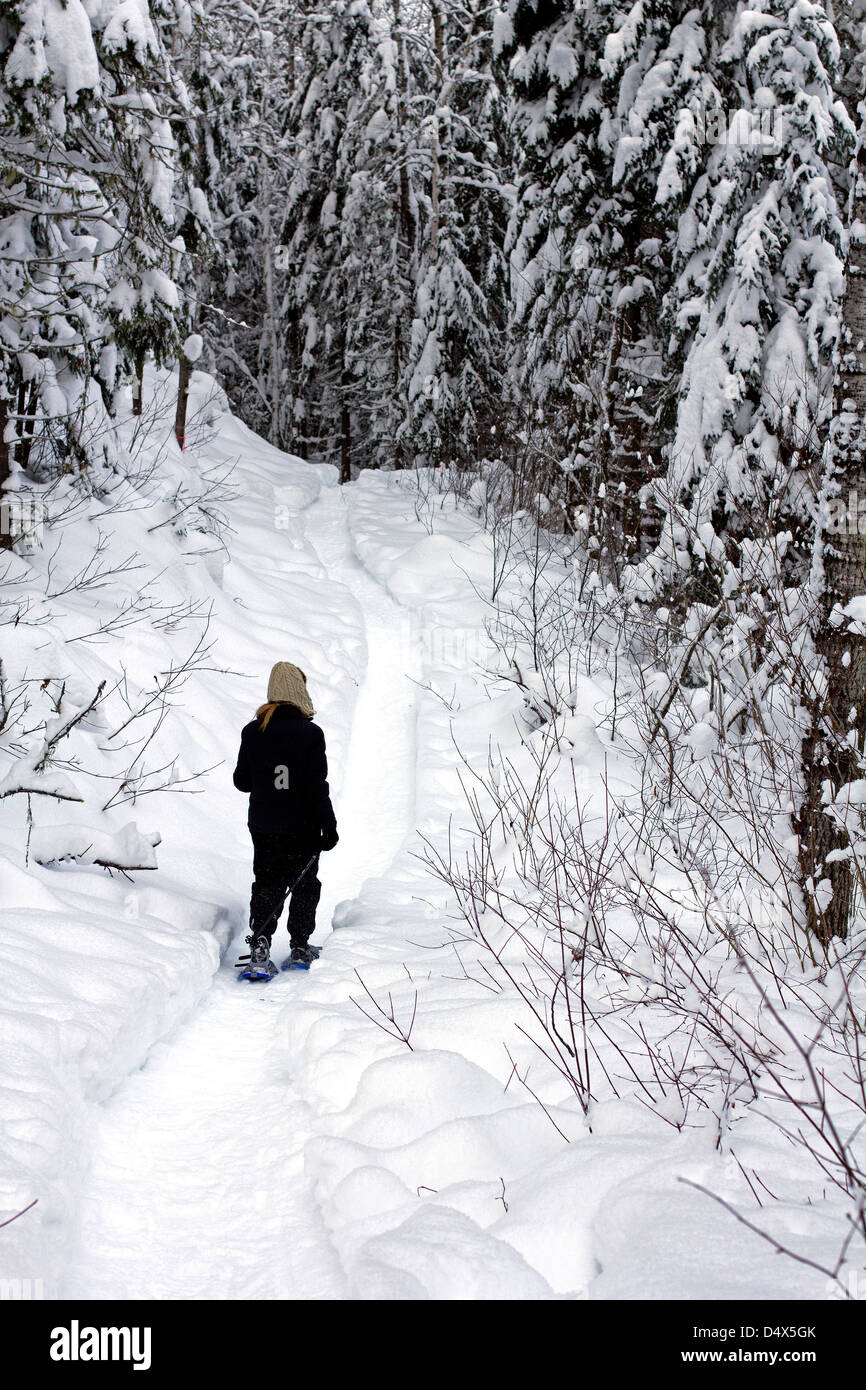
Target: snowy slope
{"type": "Point", "coordinates": [95, 968]}
{"type": "Point", "coordinates": [188, 1136]}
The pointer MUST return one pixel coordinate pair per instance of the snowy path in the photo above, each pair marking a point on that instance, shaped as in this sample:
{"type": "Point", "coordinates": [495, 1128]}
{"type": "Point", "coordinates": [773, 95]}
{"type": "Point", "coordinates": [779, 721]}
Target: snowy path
{"type": "Point", "coordinates": [197, 1186]}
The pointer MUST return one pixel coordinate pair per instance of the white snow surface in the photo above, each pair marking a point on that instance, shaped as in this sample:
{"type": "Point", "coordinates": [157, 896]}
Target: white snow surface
{"type": "Point", "coordinates": [189, 1136]}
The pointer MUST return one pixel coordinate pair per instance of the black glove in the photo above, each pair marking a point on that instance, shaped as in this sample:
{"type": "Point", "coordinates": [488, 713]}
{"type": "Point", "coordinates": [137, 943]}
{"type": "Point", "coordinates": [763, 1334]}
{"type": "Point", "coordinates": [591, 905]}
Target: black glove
{"type": "Point", "coordinates": [329, 839]}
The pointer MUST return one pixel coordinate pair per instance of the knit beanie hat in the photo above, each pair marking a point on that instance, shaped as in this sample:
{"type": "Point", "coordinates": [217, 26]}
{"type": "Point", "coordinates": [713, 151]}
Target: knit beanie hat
{"type": "Point", "coordinates": [288, 686]}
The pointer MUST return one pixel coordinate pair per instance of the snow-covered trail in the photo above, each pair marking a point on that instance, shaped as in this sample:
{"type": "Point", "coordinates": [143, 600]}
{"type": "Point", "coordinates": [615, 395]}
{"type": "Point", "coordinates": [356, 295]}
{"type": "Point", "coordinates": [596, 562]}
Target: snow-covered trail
{"type": "Point", "coordinates": [197, 1186]}
{"type": "Point", "coordinates": [377, 782]}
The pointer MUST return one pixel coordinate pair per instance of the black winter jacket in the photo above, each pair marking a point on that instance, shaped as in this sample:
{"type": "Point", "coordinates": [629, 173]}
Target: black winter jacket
{"type": "Point", "coordinates": [285, 770]}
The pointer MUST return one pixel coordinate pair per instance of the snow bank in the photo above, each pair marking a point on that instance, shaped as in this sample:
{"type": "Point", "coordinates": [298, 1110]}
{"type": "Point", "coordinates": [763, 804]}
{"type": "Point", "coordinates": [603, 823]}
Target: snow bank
{"type": "Point", "coordinates": [97, 965]}
{"type": "Point", "coordinates": [438, 1173]}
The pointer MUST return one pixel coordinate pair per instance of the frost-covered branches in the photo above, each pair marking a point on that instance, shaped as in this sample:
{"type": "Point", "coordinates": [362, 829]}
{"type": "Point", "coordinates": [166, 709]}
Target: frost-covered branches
{"type": "Point", "coordinates": [96, 657]}
{"type": "Point", "coordinates": [626, 869]}
{"type": "Point", "coordinates": [89, 248]}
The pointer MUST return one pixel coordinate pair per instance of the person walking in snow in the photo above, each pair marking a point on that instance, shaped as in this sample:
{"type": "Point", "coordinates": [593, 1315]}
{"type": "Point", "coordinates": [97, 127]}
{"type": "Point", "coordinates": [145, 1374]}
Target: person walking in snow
{"type": "Point", "coordinates": [283, 766]}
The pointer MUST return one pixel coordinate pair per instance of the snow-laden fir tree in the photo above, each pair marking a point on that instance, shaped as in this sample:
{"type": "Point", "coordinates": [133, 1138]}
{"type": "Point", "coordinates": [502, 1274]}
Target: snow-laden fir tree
{"type": "Point", "coordinates": [181, 24]}
{"type": "Point", "coordinates": [381, 238]}
{"type": "Point", "coordinates": [150, 110]}
{"type": "Point", "coordinates": [336, 98]}
{"type": "Point", "coordinates": [88, 222]}
{"type": "Point", "coordinates": [754, 308]}
{"type": "Point", "coordinates": [756, 177]}
{"type": "Point", "coordinates": [456, 370]}
{"type": "Point", "coordinates": [596, 95]}
{"type": "Point", "coordinates": [830, 822]}
{"type": "Point", "coordinates": [243, 76]}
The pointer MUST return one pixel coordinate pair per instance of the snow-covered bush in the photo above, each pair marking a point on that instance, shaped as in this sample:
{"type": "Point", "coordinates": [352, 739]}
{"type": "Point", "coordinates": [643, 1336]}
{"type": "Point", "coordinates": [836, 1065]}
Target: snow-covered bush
{"type": "Point", "coordinates": [632, 878]}
{"type": "Point", "coordinates": [90, 258]}
{"type": "Point", "coordinates": [92, 659]}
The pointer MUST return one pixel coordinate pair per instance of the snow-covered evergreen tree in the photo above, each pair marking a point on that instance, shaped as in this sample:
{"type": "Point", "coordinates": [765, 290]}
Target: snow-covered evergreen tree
{"type": "Point", "coordinates": [831, 844]}
{"type": "Point", "coordinates": [754, 308]}
{"type": "Point", "coordinates": [596, 96]}
{"type": "Point", "coordinates": [181, 25]}
{"type": "Point", "coordinates": [381, 235]}
{"type": "Point", "coordinates": [757, 176]}
{"type": "Point", "coordinates": [336, 99]}
{"type": "Point", "coordinates": [455, 374]}
{"type": "Point", "coordinates": [242, 76]}
{"type": "Point", "coordinates": [87, 235]}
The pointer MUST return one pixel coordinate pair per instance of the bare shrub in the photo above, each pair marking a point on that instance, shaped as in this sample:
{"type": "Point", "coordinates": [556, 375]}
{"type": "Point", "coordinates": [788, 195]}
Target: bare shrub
{"type": "Point", "coordinates": [650, 920]}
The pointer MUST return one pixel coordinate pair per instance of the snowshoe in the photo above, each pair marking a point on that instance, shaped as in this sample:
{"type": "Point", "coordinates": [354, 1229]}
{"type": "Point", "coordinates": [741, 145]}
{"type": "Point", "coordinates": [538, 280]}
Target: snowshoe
{"type": "Point", "coordinates": [301, 958]}
{"type": "Point", "coordinates": [258, 965]}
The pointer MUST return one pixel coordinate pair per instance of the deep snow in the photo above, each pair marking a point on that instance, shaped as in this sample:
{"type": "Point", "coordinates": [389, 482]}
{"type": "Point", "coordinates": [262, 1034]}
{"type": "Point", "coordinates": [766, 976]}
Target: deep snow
{"type": "Point", "coordinates": [190, 1136]}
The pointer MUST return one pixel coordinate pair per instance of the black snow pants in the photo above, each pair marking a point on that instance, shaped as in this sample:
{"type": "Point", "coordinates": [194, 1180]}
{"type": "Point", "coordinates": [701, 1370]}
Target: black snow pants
{"type": "Point", "coordinates": [277, 861]}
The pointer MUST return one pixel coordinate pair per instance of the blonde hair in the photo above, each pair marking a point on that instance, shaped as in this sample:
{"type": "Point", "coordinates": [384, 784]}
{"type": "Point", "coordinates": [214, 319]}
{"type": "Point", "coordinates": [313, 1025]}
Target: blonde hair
{"type": "Point", "coordinates": [264, 713]}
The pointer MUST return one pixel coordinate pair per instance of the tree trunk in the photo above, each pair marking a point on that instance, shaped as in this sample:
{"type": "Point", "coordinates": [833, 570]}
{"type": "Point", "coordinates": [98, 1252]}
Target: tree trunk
{"type": "Point", "coordinates": [137, 384]}
{"type": "Point", "coordinates": [183, 376]}
{"type": "Point", "coordinates": [345, 420]}
{"type": "Point", "coordinates": [399, 455]}
{"type": "Point", "coordinates": [270, 305]}
{"type": "Point", "coordinates": [837, 720]}
{"type": "Point", "coordinates": [438, 44]}
{"type": "Point", "coordinates": [345, 445]}
{"type": "Point", "coordinates": [5, 474]}
{"type": "Point", "coordinates": [27, 426]}
{"type": "Point", "coordinates": [405, 218]}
